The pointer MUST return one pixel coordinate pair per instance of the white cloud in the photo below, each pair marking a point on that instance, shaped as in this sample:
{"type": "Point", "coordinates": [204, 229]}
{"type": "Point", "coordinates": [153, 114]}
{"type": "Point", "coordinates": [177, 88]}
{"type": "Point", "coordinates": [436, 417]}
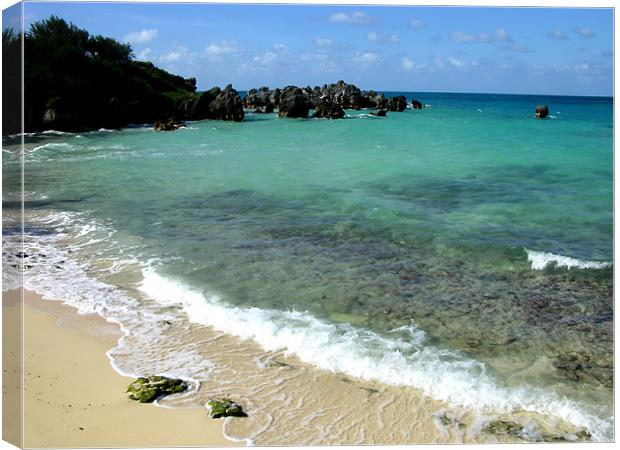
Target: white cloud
{"type": "Point", "coordinates": [266, 58]}
{"type": "Point", "coordinates": [356, 17]}
{"type": "Point", "coordinates": [316, 56]}
{"type": "Point", "coordinates": [408, 65]}
{"type": "Point", "coordinates": [459, 36]}
{"type": "Point", "coordinates": [221, 48]}
{"type": "Point", "coordinates": [499, 35]}
{"type": "Point", "coordinates": [582, 68]}
{"type": "Point", "coordinates": [145, 54]}
{"type": "Point", "coordinates": [323, 42]}
{"type": "Point", "coordinates": [141, 37]}
{"type": "Point", "coordinates": [502, 35]}
{"type": "Point", "coordinates": [376, 37]}
{"type": "Point", "coordinates": [585, 32]}
{"type": "Point", "coordinates": [280, 47]}
{"type": "Point", "coordinates": [172, 56]}
{"type": "Point", "coordinates": [366, 58]}
{"type": "Point", "coordinates": [558, 35]}
{"type": "Point", "coordinates": [416, 23]}
{"type": "Point", "coordinates": [456, 62]}
{"type": "Point", "coordinates": [518, 48]}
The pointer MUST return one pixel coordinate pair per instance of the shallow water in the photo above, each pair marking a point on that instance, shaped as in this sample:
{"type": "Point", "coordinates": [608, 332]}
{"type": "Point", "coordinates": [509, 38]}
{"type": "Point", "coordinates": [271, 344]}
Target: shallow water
{"type": "Point", "coordinates": [407, 251]}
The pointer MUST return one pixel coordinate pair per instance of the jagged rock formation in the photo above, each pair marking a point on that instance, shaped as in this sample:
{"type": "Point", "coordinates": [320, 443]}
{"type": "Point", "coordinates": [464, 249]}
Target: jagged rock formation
{"type": "Point", "coordinates": [328, 101]}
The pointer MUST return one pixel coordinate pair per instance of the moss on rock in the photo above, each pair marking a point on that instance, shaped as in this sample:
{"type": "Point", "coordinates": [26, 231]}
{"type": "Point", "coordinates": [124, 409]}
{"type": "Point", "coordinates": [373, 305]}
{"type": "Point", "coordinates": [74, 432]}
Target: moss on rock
{"type": "Point", "coordinates": [224, 407]}
{"type": "Point", "coordinates": [503, 427]}
{"type": "Point", "coordinates": [148, 389]}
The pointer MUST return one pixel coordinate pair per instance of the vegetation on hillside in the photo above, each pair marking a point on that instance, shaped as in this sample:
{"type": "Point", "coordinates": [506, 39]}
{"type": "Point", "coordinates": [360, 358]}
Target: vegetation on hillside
{"type": "Point", "coordinates": [75, 81]}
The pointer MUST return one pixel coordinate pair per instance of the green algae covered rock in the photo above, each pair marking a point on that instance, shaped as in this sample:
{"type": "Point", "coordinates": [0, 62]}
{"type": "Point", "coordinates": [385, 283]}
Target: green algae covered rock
{"type": "Point", "coordinates": [224, 407]}
{"type": "Point", "coordinates": [502, 427]}
{"type": "Point", "coordinates": [147, 390]}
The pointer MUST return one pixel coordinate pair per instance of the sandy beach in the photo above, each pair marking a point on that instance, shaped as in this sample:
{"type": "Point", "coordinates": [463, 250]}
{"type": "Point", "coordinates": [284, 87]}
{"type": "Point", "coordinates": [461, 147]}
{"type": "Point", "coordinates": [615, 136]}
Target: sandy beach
{"type": "Point", "coordinates": [74, 398]}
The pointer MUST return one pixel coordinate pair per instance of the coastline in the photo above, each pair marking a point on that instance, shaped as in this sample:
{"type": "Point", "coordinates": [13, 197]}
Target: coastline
{"type": "Point", "coordinates": [74, 398]}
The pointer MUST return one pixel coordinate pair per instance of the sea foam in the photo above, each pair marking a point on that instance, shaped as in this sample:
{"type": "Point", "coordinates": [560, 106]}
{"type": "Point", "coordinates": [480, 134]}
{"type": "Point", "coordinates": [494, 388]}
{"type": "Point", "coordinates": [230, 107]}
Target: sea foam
{"type": "Point", "coordinates": [540, 260]}
{"type": "Point", "coordinates": [401, 357]}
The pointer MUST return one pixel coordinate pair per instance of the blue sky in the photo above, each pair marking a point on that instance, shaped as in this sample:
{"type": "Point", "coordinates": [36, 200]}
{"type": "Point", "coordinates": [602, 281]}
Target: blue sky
{"type": "Point", "coordinates": [453, 49]}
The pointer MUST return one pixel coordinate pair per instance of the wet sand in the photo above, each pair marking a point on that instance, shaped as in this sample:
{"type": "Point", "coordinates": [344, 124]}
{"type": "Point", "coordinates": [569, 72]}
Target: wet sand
{"type": "Point", "coordinates": [74, 398]}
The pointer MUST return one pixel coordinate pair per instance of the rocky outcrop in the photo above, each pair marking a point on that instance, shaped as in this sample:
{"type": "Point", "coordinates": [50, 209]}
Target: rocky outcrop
{"type": "Point", "coordinates": [542, 111]}
{"type": "Point", "coordinates": [169, 124]}
{"type": "Point", "coordinates": [227, 105]}
{"type": "Point", "coordinates": [398, 103]}
{"type": "Point", "coordinates": [380, 113]}
{"type": "Point", "coordinates": [224, 407]}
{"type": "Point", "coordinates": [147, 390]}
{"type": "Point", "coordinates": [347, 96]}
{"type": "Point", "coordinates": [371, 99]}
{"type": "Point", "coordinates": [503, 427]}
{"type": "Point", "coordinates": [328, 108]}
{"type": "Point", "coordinates": [329, 101]}
{"type": "Point", "coordinates": [215, 104]}
{"type": "Point", "coordinates": [259, 98]}
{"type": "Point", "coordinates": [267, 109]}
{"type": "Point", "coordinates": [416, 104]}
{"type": "Point", "coordinates": [293, 103]}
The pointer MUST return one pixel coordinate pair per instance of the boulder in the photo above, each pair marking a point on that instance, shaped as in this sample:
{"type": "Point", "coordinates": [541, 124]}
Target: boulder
{"type": "Point", "coordinates": [227, 105]}
{"type": "Point", "coordinates": [347, 96]}
{"type": "Point", "coordinates": [216, 104]}
{"type": "Point", "coordinates": [370, 99]}
{"type": "Point", "coordinates": [267, 109]}
{"type": "Point", "coordinates": [416, 104]}
{"type": "Point", "coordinates": [293, 103]}
{"type": "Point", "coordinates": [380, 113]}
{"type": "Point", "coordinates": [258, 98]}
{"type": "Point", "coordinates": [147, 390]}
{"type": "Point", "coordinates": [224, 407]}
{"type": "Point", "coordinates": [503, 427]}
{"type": "Point", "coordinates": [542, 111]}
{"type": "Point", "coordinates": [169, 124]}
{"type": "Point", "coordinates": [327, 108]}
{"type": "Point", "coordinates": [398, 103]}
{"type": "Point", "coordinates": [197, 108]}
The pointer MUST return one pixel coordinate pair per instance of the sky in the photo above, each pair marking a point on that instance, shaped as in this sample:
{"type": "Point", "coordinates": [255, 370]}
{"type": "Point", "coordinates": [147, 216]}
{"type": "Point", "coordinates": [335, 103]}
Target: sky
{"type": "Point", "coordinates": [566, 51]}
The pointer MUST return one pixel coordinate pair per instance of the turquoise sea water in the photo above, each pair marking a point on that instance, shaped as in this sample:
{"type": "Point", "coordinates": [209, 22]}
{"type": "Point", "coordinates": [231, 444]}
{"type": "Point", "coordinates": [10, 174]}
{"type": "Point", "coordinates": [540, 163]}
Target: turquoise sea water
{"type": "Point", "coordinates": [424, 234]}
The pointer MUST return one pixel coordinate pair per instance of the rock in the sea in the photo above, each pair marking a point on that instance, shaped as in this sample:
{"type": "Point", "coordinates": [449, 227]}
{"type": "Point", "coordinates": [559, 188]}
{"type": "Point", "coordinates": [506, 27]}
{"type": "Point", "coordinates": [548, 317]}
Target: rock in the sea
{"type": "Point", "coordinates": [398, 103]}
{"type": "Point", "coordinates": [197, 108]}
{"type": "Point", "coordinates": [501, 427]}
{"type": "Point", "coordinates": [370, 99]}
{"type": "Point", "coordinates": [224, 407]}
{"type": "Point", "coordinates": [542, 111]}
{"type": "Point", "coordinates": [227, 105]}
{"type": "Point", "coordinates": [380, 113]}
{"type": "Point", "coordinates": [261, 98]}
{"type": "Point", "coordinates": [170, 124]}
{"type": "Point", "coordinates": [347, 96]}
{"type": "Point", "coordinates": [148, 389]}
{"type": "Point", "coordinates": [267, 109]}
{"type": "Point", "coordinates": [416, 104]}
{"type": "Point", "coordinates": [583, 435]}
{"type": "Point", "coordinates": [293, 103]}
{"type": "Point", "coordinates": [327, 108]}
{"type": "Point", "coordinates": [215, 104]}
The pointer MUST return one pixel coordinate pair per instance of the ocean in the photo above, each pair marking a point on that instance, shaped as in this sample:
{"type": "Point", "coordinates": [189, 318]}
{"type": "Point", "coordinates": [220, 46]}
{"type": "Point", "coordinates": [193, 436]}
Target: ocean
{"type": "Point", "coordinates": [462, 252]}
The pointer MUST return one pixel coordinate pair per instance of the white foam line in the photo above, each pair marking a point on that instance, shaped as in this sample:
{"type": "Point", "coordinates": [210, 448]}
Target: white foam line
{"type": "Point", "coordinates": [540, 260]}
{"type": "Point", "coordinates": [441, 374]}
